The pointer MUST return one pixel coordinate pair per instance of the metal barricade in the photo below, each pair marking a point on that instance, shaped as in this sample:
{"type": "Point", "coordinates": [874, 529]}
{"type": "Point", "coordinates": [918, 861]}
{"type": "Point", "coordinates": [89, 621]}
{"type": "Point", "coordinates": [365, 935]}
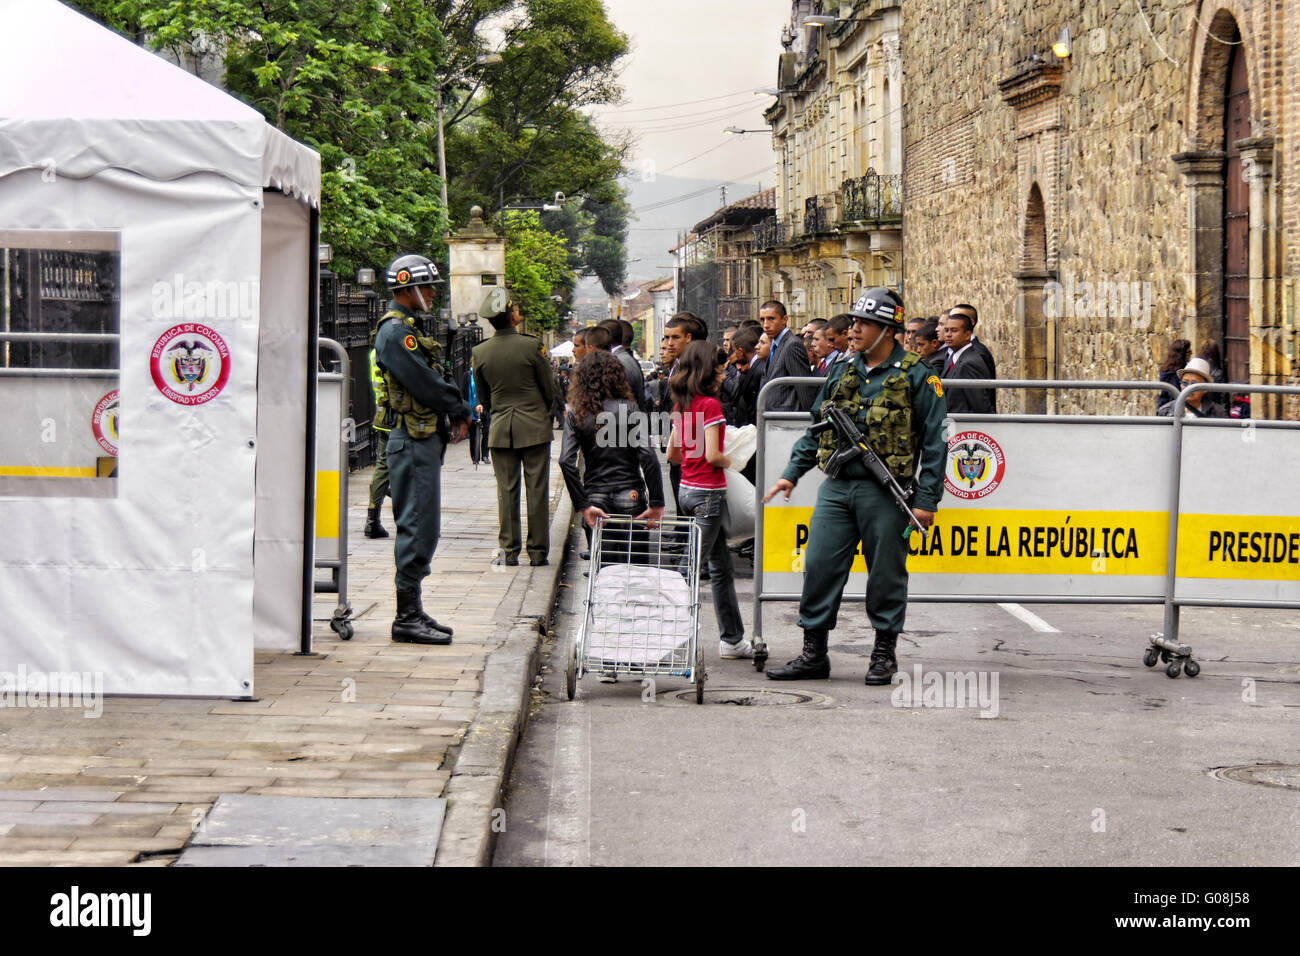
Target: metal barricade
{"type": "Point", "coordinates": [334, 482]}
{"type": "Point", "coordinates": [1152, 581]}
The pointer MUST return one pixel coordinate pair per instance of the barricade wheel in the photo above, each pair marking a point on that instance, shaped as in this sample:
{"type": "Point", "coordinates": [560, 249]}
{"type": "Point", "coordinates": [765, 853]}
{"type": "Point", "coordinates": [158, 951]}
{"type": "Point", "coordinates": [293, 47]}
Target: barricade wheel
{"type": "Point", "coordinates": [1164, 656]}
{"type": "Point", "coordinates": [1174, 669]}
{"type": "Point", "coordinates": [1151, 656]}
{"type": "Point", "coordinates": [1191, 668]}
{"type": "Point", "coordinates": [571, 671]}
{"type": "Point", "coordinates": [342, 628]}
{"type": "Point", "coordinates": [760, 656]}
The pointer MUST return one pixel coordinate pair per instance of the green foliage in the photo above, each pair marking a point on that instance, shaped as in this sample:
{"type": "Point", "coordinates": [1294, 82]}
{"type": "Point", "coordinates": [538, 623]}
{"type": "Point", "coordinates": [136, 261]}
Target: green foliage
{"type": "Point", "coordinates": [537, 267]}
{"type": "Point", "coordinates": [357, 80]}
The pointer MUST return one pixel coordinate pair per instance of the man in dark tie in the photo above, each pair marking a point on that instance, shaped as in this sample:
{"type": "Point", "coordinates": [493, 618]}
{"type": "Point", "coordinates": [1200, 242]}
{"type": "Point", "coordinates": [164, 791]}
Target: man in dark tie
{"type": "Point", "coordinates": [787, 357]}
{"type": "Point", "coordinates": [967, 359]}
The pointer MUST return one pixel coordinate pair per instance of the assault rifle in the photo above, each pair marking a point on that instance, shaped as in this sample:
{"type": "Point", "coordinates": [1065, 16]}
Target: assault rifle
{"type": "Point", "coordinates": [852, 446]}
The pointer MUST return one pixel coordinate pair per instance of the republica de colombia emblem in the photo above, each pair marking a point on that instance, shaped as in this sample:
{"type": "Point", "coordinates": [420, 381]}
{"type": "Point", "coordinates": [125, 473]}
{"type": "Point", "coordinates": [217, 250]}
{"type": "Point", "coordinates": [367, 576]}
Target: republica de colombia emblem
{"type": "Point", "coordinates": [975, 465]}
{"type": "Point", "coordinates": [105, 423]}
{"type": "Point", "coordinates": [190, 364]}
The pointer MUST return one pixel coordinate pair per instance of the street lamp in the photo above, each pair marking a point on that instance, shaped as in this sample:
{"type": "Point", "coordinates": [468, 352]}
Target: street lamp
{"type": "Point", "coordinates": [483, 60]}
{"type": "Point", "coordinates": [737, 130]}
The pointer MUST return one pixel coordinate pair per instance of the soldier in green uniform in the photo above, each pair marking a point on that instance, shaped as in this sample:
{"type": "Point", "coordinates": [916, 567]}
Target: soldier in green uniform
{"type": "Point", "coordinates": [516, 386]}
{"type": "Point", "coordinates": [897, 401]}
{"type": "Point", "coordinates": [416, 403]}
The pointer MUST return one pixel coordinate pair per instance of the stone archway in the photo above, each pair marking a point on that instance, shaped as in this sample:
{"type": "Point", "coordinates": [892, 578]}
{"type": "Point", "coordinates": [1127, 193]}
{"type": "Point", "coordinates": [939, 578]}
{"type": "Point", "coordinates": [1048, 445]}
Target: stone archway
{"type": "Point", "coordinates": [1224, 46]}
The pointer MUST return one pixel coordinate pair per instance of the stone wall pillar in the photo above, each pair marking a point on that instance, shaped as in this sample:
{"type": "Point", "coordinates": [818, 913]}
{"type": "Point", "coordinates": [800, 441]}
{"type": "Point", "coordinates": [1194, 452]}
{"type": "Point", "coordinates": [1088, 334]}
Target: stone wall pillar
{"type": "Point", "coordinates": [1032, 321]}
{"type": "Point", "coordinates": [1203, 307]}
{"type": "Point", "coordinates": [1267, 355]}
{"type": "Point", "coordinates": [478, 263]}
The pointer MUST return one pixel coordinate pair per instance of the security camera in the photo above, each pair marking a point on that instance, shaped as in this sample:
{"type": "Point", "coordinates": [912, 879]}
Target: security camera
{"type": "Point", "coordinates": [559, 199]}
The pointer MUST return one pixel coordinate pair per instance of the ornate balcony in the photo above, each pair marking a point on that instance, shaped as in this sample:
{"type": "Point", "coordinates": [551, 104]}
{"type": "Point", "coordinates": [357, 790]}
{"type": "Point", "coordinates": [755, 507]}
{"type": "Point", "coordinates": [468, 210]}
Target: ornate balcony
{"type": "Point", "coordinates": [770, 233]}
{"type": "Point", "coordinates": [871, 198]}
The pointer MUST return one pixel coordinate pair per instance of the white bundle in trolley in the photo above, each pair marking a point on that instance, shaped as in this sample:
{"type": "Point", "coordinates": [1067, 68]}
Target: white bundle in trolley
{"type": "Point", "coordinates": [639, 615]}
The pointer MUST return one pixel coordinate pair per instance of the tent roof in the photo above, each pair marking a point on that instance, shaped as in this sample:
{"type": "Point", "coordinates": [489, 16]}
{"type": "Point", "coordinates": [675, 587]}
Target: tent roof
{"type": "Point", "coordinates": [90, 99]}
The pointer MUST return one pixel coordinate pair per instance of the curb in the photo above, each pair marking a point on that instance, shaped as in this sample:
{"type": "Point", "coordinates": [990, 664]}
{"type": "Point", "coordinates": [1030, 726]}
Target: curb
{"type": "Point", "coordinates": [475, 790]}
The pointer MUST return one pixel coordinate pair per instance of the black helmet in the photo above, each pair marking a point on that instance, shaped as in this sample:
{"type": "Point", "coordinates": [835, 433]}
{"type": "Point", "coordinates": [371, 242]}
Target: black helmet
{"type": "Point", "coordinates": [408, 271]}
{"type": "Point", "coordinates": [879, 305]}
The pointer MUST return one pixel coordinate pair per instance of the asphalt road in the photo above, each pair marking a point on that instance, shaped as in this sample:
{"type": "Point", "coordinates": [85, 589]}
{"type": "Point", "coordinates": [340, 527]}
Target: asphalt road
{"type": "Point", "coordinates": [1091, 759]}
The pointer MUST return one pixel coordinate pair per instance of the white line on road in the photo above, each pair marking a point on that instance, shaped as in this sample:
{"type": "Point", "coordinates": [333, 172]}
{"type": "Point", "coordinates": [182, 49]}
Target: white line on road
{"type": "Point", "coordinates": [1029, 617]}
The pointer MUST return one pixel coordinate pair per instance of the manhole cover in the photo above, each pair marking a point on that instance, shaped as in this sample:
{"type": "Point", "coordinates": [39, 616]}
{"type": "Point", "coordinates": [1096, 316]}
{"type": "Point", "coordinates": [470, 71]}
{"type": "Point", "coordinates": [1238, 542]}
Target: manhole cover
{"type": "Point", "coordinates": [1285, 776]}
{"type": "Point", "coordinates": [751, 697]}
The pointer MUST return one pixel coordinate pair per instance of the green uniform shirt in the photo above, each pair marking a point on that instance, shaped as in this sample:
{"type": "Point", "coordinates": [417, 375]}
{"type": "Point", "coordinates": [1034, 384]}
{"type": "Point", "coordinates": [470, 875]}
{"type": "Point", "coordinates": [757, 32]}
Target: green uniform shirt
{"type": "Point", "coordinates": [928, 410]}
{"type": "Point", "coordinates": [516, 386]}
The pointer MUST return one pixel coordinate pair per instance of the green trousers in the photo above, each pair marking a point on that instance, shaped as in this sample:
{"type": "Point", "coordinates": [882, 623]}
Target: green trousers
{"type": "Point", "coordinates": [415, 473]}
{"type": "Point", "coordinates": [849, 512]}
{"type": "Point", "coordinates": [535, 461]}
{"type": "Point", "coordinates": [379, 481]}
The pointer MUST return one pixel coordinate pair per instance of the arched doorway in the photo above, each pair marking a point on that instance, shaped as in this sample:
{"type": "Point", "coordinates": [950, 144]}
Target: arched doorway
{"type": "Point", "coordinates": [1236, 218]}
{"type": "Point", "coordinates": [1036, 331]}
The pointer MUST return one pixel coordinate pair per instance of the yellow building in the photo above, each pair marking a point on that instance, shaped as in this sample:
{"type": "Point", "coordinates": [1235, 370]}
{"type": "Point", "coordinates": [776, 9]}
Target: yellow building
{"type": "Point", "coordinates": [837, 132]}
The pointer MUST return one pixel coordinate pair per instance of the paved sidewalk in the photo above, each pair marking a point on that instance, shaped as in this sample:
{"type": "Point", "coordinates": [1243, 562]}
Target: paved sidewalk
{"type": "Point", "coordinates": [363, 718]}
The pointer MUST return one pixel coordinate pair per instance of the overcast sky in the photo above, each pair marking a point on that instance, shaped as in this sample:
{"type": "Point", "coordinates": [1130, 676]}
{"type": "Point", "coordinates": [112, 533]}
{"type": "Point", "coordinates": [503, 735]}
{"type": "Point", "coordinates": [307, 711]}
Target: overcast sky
{"type": "Point", "coordinates": [687, 51]}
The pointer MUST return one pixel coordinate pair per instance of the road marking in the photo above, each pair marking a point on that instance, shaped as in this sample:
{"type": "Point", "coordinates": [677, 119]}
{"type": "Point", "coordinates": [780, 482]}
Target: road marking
{"type": "Point", "coordinates": [1029, 617]}
{"type": "Point", "coordinates": [568, 809]}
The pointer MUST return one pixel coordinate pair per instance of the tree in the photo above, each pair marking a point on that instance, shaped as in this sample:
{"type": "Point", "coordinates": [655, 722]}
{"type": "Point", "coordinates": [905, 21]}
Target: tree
{"type": "Point", "coordinates": [537, 268]}
{"type": "Point", "coordinates": [350, 79]}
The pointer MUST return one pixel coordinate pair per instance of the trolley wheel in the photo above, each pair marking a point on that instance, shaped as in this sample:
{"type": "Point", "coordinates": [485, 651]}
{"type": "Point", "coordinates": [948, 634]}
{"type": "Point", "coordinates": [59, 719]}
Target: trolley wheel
{"type": "Point", "coordinates": [1151, 656]}
{"type": "Point", "coordinates": [700, 676]}
{"type": "Point", "coordinates": [571, 671]}
{"type": "Point", "coordinates": [1174, 669]}
{"type": "Point", "coordinates": [1191, 668]}
{"type": "Point", "coordinates": [342, 628]}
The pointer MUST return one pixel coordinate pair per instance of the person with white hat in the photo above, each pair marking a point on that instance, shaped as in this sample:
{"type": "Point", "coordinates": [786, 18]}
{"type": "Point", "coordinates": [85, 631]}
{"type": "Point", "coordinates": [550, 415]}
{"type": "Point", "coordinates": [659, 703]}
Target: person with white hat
{"type": "Point", "coordinates": [1199, 404]}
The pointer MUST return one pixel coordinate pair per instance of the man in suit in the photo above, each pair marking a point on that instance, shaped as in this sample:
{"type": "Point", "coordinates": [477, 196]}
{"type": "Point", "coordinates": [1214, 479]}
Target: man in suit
{"type": "Point", "coordinates": [967, 359]}
{"type": "Point", "coordinates": [516, 386]}
{"type": "Point", "coordinates": [787, 357]}
{"type": "Point", "coordinates": [619, 340]}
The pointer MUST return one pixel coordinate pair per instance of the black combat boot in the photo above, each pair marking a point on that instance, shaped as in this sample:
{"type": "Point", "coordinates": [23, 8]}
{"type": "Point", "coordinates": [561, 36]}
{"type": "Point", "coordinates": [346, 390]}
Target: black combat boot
{"type": "Point", "coordinates": [883, 663]}
{"type": "Point", "coordinates": [373, 528]}
{"type": "Point", "coordinates": [419, 606]}
{"type": "Point", "coordinates": [812, 664]}
{"type": "Point", "coordinates": [409, 627]}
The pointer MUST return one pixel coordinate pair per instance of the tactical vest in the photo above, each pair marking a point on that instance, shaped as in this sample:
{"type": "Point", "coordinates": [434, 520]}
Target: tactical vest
{"type": "Point", "coordinates": [886, 419]}
{"type": "Point", "coordinates": [394, 405]}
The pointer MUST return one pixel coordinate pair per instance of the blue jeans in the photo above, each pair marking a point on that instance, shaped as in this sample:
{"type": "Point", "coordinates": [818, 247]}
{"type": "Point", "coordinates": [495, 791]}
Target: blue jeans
{"type": "Point", "coordinates": [709, 509]}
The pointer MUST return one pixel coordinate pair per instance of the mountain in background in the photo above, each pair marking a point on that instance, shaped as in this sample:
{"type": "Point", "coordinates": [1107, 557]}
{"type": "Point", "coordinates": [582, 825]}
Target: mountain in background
{"type": "Point", "coordinates": [664, 208]}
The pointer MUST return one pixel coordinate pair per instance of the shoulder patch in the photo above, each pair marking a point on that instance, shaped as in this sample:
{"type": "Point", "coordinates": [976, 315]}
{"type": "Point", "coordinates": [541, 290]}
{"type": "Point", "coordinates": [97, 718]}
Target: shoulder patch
{"type": "Point", "coordinates": [410, 343]}
{"type": "Point", "coordinates": [934, 383]}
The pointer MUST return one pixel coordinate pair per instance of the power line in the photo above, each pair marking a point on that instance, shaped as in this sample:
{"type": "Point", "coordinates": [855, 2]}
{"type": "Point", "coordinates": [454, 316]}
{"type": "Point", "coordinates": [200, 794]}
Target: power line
{"type": "Point", "coordinates": [668, 106]}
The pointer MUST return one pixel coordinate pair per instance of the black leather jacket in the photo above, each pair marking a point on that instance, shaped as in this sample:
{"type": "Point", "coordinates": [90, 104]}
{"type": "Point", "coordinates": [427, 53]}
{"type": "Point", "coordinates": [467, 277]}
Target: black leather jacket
{"type": "Point", "coordinates": [610, 470]}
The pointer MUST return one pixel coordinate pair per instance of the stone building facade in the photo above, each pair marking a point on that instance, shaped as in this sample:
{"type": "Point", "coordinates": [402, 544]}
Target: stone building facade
{"type": "Point", "coordinates": [837, 132]}
{"type": "Point", "coordinates": [1096, 206]}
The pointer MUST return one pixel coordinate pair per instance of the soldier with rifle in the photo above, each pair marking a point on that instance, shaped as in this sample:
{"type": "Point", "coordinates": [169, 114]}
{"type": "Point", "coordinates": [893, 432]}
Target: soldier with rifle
{"type": "Point", "coordinates": [879, 439]}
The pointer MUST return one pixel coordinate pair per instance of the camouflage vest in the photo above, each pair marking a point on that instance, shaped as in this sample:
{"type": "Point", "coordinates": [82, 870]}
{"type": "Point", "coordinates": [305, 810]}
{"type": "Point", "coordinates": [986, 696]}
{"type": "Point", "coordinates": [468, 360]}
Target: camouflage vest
{"type": "Point", "coordinates": [886, 419]}
{"type": "Point", "coordinates": [394, 405]}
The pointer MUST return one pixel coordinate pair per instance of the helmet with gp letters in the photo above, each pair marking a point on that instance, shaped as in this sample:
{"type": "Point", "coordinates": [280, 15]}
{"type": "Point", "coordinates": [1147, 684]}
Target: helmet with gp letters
{"type": "Point", "coordinates": [408, 271]}
{"type": "Point", "coordinates": [879, 305]}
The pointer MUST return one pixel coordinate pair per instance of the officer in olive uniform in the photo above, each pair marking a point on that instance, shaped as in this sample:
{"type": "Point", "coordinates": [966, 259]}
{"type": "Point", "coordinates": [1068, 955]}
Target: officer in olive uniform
{"type": "Point", "coordinates": [415, 402]}
{"type": "Point", "coordinates": [897, 401]}
{"type": "Point", "coordinates": [516, 386]}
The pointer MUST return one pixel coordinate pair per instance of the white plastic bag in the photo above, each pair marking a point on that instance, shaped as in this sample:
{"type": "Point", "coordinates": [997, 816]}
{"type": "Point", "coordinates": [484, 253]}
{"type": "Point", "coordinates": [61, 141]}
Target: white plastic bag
{"type": "Point", "coordinates": [739, 444]}
{"type": "Point", "coordinates": [740, 507]}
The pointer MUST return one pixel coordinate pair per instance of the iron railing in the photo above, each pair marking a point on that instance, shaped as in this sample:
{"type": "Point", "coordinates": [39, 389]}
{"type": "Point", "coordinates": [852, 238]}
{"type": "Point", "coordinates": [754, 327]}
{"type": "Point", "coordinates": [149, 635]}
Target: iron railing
{"type": "Point", "coordinates": [815, 218]}
{"type": "Point", "coordinates": [871, 198]}
{"type": "Point", "coordinates": [770, 233]}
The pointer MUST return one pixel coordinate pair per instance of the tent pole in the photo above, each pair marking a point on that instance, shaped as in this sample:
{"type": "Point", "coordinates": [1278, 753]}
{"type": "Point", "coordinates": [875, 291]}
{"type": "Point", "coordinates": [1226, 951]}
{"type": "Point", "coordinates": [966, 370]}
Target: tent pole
{"type": "Point", "coordinates": [309, 463]}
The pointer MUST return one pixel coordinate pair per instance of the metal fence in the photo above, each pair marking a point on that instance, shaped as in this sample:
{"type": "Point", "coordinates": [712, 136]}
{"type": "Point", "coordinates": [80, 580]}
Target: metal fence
{"type": "Point", "coordinates": [871, 197]}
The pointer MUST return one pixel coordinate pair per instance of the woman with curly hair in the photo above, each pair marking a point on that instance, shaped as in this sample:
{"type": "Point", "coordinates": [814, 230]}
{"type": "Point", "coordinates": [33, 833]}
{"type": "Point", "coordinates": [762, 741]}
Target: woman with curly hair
{"type": "Point", "coordinates": [697, 443]}
{"type": "Point", "coordinates": [603, 422]}
{"type": "Point", "coordinates": [1180, 352]}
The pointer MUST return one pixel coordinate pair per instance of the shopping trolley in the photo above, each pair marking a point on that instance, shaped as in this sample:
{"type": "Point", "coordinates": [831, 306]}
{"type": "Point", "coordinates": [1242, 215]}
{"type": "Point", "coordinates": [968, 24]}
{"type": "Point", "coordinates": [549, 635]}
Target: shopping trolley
{"type": "Point", "coordinates": [641, 614]}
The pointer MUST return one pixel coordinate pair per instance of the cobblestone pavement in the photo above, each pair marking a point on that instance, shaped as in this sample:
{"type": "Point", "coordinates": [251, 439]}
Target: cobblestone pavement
{"type": "Point", "coordinates": [362, 718]}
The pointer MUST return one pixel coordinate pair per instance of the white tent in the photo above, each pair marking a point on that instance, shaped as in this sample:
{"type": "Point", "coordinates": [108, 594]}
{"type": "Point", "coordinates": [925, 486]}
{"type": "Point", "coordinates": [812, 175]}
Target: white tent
{"type": "Point", "coordinates": [563, 350]}
{"type": "Point", "coordinates": [204, 220]}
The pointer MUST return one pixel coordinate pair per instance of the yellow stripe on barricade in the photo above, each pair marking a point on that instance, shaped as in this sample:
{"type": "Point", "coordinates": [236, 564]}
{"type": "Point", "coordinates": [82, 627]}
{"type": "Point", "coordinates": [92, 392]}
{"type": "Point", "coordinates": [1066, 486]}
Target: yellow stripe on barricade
{"type": "Point", "coordinates": [327, 504]}
{"type": "Point", "coordinates": [28, 471]}
{"type": "Point", "coordinates": [987, 541]}
{"type": "Point", "coordinates": [1239, 547]}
